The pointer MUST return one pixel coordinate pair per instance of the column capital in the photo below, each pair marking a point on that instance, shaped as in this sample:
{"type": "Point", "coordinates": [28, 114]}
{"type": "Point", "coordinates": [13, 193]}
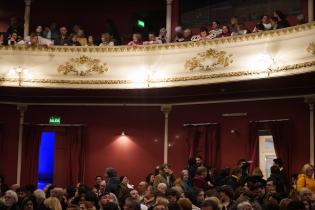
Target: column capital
{"type": "Point", "coordinates": [22, 107]}
{"type": "Point", "coordinates": [169, 2]}
{"type": "Point", "coordinates": [27, 2]}
{"type": "Point", "coordinates": [310, 100]}
{"type": "Point", "coordinates": [166, 109]}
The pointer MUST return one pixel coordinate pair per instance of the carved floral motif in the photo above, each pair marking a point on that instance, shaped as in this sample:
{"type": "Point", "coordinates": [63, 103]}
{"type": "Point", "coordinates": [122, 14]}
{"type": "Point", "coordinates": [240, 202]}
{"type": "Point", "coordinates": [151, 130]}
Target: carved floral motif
{"type": "Point", "coordinates": [218, 58]}
{"type": "Point", "coordinates": [83, 66]}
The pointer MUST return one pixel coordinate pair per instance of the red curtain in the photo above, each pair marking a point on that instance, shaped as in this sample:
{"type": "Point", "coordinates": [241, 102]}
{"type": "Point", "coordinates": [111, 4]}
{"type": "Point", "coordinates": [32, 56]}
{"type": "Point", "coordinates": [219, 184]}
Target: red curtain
{"type": "Point", "coordinates": [281, 132]}
{"type": "Point", "coordinates": [30, 154]}
{"type": "Point", "coordinates": [76, 144]}
{"type": "Point", "coordinates": [204, 140]}
{"type": "Point", "coordinates": [1, 146]}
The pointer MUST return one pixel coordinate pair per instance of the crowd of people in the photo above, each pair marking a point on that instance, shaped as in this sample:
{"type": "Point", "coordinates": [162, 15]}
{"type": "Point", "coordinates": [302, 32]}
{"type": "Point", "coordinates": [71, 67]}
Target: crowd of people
{"type": "Point", "coordinates": [197, 188]}
{"type": "Point", "coordinates": [53, 35]}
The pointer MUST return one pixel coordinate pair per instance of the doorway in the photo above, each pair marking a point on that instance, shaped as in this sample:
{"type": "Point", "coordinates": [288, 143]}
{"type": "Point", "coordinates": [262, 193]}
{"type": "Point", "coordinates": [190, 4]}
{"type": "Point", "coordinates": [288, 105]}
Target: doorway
{"type": "Point", "coordinates": [46, 159]}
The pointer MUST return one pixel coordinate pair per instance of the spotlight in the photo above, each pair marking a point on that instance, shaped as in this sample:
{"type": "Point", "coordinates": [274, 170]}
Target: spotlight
{"type": "Point", "coordinates": [123, 133]}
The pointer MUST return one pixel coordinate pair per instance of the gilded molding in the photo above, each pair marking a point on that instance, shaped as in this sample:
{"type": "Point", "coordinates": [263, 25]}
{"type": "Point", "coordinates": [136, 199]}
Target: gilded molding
{"type": "Point", "coordinates": [311, 48]}
{"type": "Point", "coordinates": [171, 46]}
{"type": "Point", "coordinates": [83, 66]}
{"type": "Point", "coordinates": [219, 58]}
{"type": "Point", "coordinates": [171, 79]}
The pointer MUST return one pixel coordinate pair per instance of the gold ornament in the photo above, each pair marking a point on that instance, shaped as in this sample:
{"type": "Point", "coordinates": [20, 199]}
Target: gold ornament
{"type": "Point", "coordinates": [83, 66]}
{"type": "Point", "coordinates": [219, 58]}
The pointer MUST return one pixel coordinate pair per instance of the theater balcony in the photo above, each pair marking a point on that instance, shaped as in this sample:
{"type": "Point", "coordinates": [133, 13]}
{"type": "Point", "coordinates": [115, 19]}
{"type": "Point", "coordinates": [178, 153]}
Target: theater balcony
{"type": "Point", "coordinates": [273, 63]}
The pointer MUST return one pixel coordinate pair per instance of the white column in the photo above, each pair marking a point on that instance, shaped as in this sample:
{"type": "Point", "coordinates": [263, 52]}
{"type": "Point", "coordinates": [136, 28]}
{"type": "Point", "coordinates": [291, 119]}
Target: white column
{"type": "Point", "coordinates": [22, 109]}
{"type": "Point", "coordinates": [27, 14]}
{"type": "Point", "coordinates": [311, 133]}
{"type": "Point", "coordinates": [310, 6]}
{"type": "Point", "coordinates": [166, 110]}
{"type": "Point", "coordinates": [169, 20]}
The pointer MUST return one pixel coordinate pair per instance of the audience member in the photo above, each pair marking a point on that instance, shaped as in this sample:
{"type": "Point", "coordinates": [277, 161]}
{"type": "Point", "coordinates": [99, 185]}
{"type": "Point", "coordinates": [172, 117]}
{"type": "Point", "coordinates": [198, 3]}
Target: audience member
{"type": "Point", "coordinates": [305, 179]}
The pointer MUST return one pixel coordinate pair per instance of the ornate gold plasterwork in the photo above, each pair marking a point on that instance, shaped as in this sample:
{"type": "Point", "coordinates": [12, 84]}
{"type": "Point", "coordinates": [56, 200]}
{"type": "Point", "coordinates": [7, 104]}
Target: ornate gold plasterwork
{"type": "Point", "coordinates": [83, 66]}
{"type": "Point", "coordinates": [172, 46]}
{"type": "Point", "coordinates": [218, 58]}
{"type": "Point", "coordinates": [311, 48]}
{"type": "Point", "coordinates": [228, 75]}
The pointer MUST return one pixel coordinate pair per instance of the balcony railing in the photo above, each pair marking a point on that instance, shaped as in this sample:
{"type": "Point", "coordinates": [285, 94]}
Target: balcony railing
{"type": "Point", "coordinates": [269, 54]}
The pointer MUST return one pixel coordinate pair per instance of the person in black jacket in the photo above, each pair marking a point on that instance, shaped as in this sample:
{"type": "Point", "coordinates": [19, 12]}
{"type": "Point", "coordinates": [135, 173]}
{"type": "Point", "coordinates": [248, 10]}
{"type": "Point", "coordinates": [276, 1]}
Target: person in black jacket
{"type": "Point", "coordinates": [112, 180]}
{"type": "Point", "coordinates": [234, 179]}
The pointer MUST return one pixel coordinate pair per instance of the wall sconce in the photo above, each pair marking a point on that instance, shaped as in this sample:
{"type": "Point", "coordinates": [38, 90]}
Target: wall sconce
{"type": "Point", "coordinates": [19, 72]}
{"type": "Point", "coordinates": [234, 131]}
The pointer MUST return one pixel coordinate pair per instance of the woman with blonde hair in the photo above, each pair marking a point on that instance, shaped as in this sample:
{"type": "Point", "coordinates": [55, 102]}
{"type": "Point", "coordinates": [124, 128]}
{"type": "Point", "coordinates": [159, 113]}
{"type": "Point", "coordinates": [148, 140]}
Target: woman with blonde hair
{"type": "Point", "coordinates": [52, 203]}
{"type": "Point", "coordinates": [305, 179]}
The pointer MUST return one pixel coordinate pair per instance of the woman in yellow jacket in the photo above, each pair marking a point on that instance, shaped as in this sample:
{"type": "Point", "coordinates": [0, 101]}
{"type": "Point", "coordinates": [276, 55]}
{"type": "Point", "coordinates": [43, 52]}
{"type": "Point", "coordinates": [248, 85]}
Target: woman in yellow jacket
{"type": "Point", "coordinates": [305, 179]}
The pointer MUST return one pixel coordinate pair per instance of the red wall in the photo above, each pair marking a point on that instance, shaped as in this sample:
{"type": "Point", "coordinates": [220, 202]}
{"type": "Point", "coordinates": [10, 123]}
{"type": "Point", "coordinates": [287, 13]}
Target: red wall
{"type": "Point", "coordinates": [137, 156]}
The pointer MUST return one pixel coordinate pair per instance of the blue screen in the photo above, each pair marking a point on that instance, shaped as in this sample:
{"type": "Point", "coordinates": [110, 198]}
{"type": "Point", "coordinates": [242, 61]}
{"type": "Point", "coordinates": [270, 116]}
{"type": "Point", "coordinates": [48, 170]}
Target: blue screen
{"type": "Point", "coordinates": [46, 159]}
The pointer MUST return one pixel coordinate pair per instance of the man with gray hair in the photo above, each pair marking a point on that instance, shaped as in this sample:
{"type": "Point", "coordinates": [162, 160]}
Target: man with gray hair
{"type": "Point", "coordinates": [10, 200]}
{"type": "Point", "coordinates": [306, 194]}
{"type": "Point", "coordinates": [112, 180]}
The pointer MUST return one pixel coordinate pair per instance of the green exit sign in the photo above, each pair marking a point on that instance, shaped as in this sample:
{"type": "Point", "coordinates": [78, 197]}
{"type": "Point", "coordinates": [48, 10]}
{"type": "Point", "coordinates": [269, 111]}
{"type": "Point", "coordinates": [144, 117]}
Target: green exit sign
{"type": "Point", "coordinates": [141, 23]}
{"type": "Point", "coordinates": [54, 120]}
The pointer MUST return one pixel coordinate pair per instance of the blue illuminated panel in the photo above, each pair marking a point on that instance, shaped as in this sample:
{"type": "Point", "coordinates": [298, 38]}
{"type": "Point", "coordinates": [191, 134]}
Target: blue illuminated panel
{"type": "Point", "coordinates": [46, 159]}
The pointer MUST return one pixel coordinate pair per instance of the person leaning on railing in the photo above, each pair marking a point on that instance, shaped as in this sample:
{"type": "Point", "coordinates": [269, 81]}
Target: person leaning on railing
{"type": "Point", "coordinates": [305, 178]}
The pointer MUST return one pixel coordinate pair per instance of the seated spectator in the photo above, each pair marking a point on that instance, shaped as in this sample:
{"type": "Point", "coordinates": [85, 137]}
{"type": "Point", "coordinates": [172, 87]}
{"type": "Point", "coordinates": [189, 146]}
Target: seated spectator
{"type": "Point", "coordinates": [203, 35]}
{"type": "Point", "coordinates": [34, 41]}
{"type": "Point", "coordinates": [51, 32]}
{"type": "Point", "coordinates": [2, 42]}
{"type": "Point", "coordinates": [183, 181]}
{"type": "Point", "coordinates": [152, 39]}
{"type": "Point", "coordinates": [179, 37]}
{"type": "Point", "coordinates": [16, 27]}
{"type": "Point", "coordinates": [300, 19]}
{"type": "Point", "coordinates": [282, 22]}
{"type": "Point", "coordinates": [225, 32]}
{"type": "Point", "coordinates": [265, 20]}
{"type": "Point", "coordinates": [226, 197]}
{"type": "Point", "coordinates": [13, 38]}
{"type": "Point", "coordinates": [199, 180]}
{"type": "Point", "coordinates": [215, 31]}
{"type": "Point", "coordinates": [209, 205]}
{"type": "Point", "coordinates": [40, 198]}
{"type": "Point", "coordinates": [142, 187]}
{"type": "Point", "coordinates": [10, 201]}
{"type": "Point", "coordinates": [165, 176]}
{"type": "Point", "coordinates": [90, 41]}
{"type": "Point", "coordinates": [63, 38]}
{"type": "Point", "coordinates": [197, 197]}
{"type": "Point", "coordinates": [106, 40]}
{"type": "Point", "coordinates": [74, 40]}
{"type": "Point", "coordinates": [81, 38]}
{"type": "Point", "coordinates": [29, 203]}
{"type": "Point", "coordinates": [256, 177]}
{"type": "Point", "coordinates": [185, 204]}
{"type": "Point", "coordinates": [241, 30]}
{"type": "Point", "coordinates": [234, 25]}
{"type": "Point", "coordinates": [263, 25]}
{"type": "Point", "coordinates": [245, 205]}
{"type": "Point", "coordinates": [39, 30]}
{"type": "Point", "coordinates": [148, 198]}
{"type": "Point", "coordinates": [52, 203]}
{"type": "Point", "coordinates": [234, 178]}
{"type": "Point", "coordinates": [131, 204]}
{"type": "Point", "coordinates": [305, 178]}
{"type": "Point", "coordinates": [162, 35]}
{"type": "Point", "coordinates": [136, 39]}
{"type": "Point", "coordinates": [172, 195]}
{"type": "Point", "coordinates": [274, 23]}
{"type": "Point", "coordinates": [259, 28]}
{"type": "Point", "coordinates": [187, 35]}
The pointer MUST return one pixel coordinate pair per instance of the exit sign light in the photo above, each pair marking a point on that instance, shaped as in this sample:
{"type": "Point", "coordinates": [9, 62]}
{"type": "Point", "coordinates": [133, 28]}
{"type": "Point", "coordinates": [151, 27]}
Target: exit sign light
{"type": "Point", "coordinates": [141, 23]}
{"type": "Point", "coordinates": [54, 120]}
